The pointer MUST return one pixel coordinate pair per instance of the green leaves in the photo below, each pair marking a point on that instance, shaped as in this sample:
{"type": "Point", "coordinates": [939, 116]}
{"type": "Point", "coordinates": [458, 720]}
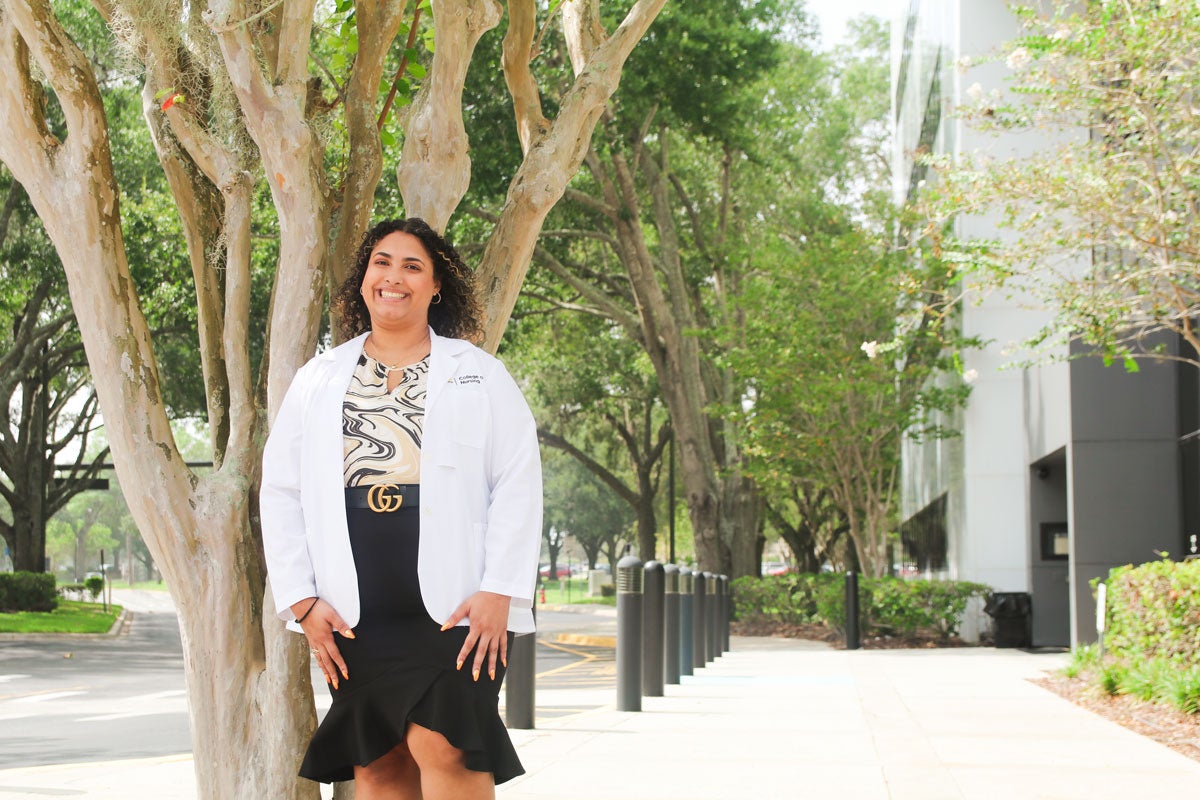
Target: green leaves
{"type": "Point", "coordinates": [1103, 222]}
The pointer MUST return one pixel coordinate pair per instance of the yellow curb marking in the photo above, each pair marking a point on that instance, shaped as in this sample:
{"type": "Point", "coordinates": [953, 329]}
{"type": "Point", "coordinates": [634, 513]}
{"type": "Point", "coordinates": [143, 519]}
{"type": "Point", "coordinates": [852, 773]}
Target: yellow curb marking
{"type": "Point", "coordinates": [585, 658]}
{"type": "Point", "coordinates": [586, 640]}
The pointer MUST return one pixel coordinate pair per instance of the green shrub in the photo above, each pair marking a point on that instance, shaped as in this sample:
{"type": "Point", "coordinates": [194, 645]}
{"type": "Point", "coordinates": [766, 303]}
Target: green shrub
{"type": "Point", "coordinates": [1143, 680]}
{"type": "Point", "coordinates": [783, 598]}
{"type": "Point", "coordinates": [1153, 631]}
{"type": "Point", "coordinates": [1112, 678]}
{"type": "Point", "coordinates": [1152, 637]}
{"type": "Point", "coordinates": [1154, 611]}
{"type": "Point", "coordinates": [1084, 658]}
{"type": "Point", "coordinates": [27, 591]}
{"type": "Point", "coordinates": [1181, 688]}
{"type": "Point", "coordinates": [887, 606]}
{"type": "Point", "coordinates": [94, 586]}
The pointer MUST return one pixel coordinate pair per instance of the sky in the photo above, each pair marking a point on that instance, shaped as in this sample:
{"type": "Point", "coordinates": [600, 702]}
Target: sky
{"type": "Point", "coordinates": [833, 15]}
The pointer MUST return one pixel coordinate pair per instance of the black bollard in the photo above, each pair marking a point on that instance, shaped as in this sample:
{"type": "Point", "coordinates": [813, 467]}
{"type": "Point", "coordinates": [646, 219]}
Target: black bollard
{"type": "Point", "coordinates": [652, 640]}
{"type": "Point", "coordinates": [710, 612]}
{"type": "Point", "coordinates": [714, 617]}
{"type": "Point", "coordinates": [629, 634]}
{"type": "Point", "coordinates": [699, 635]}
{"type": "Point", "coordinates": [723, 617]}
{"type": "Point", "coordinates": [686, 642]}
{"type": "Point", "coordinates": [852, 636]}
{"type": "Point", "coordinates": [519, 682]}
{"type": "Point", "coordinates": [670, 624]}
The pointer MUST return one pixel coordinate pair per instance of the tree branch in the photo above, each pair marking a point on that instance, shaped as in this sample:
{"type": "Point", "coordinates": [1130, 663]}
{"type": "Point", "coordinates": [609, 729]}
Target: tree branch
{"type": "Point", "coordinates": [595, 467]}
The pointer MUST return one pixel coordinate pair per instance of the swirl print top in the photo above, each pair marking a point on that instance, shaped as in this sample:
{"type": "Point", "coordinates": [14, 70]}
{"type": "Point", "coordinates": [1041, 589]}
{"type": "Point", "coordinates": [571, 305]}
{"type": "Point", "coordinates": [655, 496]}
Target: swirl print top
{"type": "Point", "coordinates": [381, 430]}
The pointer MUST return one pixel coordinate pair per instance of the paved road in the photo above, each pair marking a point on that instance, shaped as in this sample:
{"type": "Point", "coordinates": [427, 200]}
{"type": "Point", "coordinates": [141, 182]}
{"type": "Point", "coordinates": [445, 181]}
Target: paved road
{"type": "Point", "coordinates": [64, 700]}
{"type": "Point", "coordinates": [74, 699]}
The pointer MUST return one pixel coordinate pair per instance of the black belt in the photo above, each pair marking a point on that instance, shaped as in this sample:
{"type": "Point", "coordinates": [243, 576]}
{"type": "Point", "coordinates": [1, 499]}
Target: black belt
{"type": "Point", "coordinates": [384, 497]}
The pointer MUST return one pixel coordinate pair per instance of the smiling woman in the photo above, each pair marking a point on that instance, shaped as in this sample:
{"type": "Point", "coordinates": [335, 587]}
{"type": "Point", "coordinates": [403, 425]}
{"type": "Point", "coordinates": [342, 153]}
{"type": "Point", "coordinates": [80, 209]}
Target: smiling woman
{"type": "Point", "coordinates": [401, 517]}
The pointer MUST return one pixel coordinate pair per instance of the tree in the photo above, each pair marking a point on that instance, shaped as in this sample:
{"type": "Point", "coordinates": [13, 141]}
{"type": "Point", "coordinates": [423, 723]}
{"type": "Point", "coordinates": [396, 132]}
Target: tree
{"type": "Point", "coordinates": [1100, 224]}
{"type": "Point", "coordinates": [43, 385]}
{"type": "Point", "coordinates": [85, 526]}
{"type": "Point", "coordinates": [231, 103]}
{"type": "Point", "coordinates": [597, 400]}
{"type": "Point", "coordinates": [823, 421]}
{"type": "Point", "coordinates": [580, 504]}
{"type": "Point", "coordinates": [649, 239]}
{"type": "Point", "coordinates": [827, 419]}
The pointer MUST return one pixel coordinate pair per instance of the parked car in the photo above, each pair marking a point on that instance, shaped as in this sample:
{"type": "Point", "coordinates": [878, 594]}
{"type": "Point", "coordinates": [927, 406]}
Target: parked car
{"type": "Point", "coordinates": [561, 571]}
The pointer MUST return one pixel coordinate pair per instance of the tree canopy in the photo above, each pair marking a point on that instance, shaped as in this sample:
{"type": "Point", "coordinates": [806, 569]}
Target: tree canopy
{"type": "Point", "coordinates": [1101, 224]}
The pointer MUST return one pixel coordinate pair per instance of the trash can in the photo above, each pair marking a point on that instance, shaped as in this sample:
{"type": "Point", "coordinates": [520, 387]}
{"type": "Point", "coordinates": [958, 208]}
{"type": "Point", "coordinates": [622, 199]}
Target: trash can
{"type": "Point", "coordinates": [1011, 612]}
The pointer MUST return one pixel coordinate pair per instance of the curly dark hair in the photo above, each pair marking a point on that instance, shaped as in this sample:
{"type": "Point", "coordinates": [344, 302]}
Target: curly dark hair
{"type": "Point", "coordinates": [457, 316]}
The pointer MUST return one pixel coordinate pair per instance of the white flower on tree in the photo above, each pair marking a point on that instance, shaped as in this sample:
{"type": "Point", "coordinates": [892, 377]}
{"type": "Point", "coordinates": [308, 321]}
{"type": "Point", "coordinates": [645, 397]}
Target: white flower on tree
{"type": "Point", "coordinates": [871, 348]}
{"type": "Point", "coordinates": [1018, 59]}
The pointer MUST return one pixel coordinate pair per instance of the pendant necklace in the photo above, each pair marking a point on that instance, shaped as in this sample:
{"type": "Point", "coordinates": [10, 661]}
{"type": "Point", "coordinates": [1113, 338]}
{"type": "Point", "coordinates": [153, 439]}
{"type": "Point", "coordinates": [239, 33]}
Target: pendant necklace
{"type": "Point", "coordinates": [388, 367]}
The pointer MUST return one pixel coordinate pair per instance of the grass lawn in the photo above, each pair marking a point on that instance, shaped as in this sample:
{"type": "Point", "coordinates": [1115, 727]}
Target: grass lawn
{"type": "Point", "coordinates": [573, 590]}
{"type": "Point", "coordinates": [69, 617]}
{"type": "Point", "coordinates": [148, 586]}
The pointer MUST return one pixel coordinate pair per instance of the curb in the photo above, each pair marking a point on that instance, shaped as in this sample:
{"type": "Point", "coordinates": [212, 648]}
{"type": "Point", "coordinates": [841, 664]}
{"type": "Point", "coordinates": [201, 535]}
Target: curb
{"type": "Point", "coordinates": [599, 609]}
{"type": "Point", "coordinates": [586, 640]}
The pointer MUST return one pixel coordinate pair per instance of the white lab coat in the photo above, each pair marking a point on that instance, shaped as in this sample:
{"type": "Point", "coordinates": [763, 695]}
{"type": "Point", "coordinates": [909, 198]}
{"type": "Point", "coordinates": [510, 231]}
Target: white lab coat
{"type": "Point", "coordinates": [481, 487]}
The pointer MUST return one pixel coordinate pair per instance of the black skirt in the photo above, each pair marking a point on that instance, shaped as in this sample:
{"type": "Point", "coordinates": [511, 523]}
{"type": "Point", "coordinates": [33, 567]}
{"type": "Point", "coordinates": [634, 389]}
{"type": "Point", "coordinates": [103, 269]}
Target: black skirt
{"type": "Point", "coordinates": [402, 667]}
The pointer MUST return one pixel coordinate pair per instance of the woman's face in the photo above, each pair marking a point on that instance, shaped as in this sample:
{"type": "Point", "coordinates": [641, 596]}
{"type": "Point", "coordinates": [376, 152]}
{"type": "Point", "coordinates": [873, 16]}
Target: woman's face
{"type": "Point", "coordinates": [399, 282]}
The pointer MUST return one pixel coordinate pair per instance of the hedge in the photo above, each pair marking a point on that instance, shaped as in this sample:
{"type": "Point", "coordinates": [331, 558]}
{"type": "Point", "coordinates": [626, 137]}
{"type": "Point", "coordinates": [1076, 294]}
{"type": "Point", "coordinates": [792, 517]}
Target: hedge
{"type": "Point", "coordinates": [888, 606]}
{"type": "Point", "coordinates": [27, 591]}
{"type": "Point", "coordinates": [1154, 612]}
{"type": "Point", "coordinates": [1152, 635]}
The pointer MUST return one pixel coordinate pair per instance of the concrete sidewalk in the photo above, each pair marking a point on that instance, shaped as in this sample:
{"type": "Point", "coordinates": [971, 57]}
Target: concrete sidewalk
{"type": "Point", "coordinates": [779, 719]}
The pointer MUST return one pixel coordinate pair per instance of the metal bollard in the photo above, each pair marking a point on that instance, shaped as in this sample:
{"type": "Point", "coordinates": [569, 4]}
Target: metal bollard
{"type": "Point", "coordinates": [519, 682]}
{"type": "Point", "coordinates": [852, 636]}
{"type": "Point", "coordinates": [686, 645]}
{"type": "Point", "coordinates": [714, 618]}
{"type": "Point", "coordinates": [670, 624]}
{"type": "Point", "coordinates": [723, 626]}
{"type": "Point", "coordinates": [699, 596]}
{"type": "Point", "coordinates": [710, 612]}
{"type": "Point", "coordinates": [652, 641]}
{"type": "Point", "coordinates": [629, 634]}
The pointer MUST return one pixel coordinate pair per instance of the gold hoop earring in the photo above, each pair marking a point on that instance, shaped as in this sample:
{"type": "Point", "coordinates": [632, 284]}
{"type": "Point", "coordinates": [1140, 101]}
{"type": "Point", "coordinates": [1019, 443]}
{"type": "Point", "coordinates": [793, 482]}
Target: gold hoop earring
{"type": "Point", "coordinates": [437, 298]}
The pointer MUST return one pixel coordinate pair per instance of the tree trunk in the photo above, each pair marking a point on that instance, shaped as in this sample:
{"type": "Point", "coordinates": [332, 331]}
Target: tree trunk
{"type": "Point", "coordinates": [29, 539]}
{"type": "Point", "coordinates": [647, 526]}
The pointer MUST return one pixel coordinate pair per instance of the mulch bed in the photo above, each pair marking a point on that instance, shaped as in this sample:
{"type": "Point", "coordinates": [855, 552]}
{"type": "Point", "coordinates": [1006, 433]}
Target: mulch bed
{"type": "Point", "coordinates": [819, 633]}
{"type": "Point", "coordinates": [1163, 724]}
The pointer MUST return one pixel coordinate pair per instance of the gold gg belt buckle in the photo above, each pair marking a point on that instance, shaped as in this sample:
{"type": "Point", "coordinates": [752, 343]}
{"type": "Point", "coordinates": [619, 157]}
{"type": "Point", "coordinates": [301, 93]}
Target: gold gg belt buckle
{"type": "Point", "coordinates": [383, 497]}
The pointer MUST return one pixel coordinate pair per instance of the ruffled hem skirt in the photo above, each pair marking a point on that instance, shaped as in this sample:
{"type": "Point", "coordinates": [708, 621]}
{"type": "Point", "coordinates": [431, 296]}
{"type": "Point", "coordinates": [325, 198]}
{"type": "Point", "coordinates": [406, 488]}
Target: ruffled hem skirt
{"type": "Point", "coordinates": [402, 668]}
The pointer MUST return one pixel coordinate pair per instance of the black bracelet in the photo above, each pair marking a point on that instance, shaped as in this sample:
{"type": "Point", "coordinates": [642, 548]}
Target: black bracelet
{"type": "Point", "coordinates": [310, 608]}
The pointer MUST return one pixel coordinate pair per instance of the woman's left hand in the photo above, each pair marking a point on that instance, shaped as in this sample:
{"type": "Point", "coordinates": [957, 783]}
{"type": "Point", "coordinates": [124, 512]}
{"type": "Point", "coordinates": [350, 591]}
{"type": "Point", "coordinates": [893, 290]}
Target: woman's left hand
{"type": "Point", "coordinates": [488, 636]}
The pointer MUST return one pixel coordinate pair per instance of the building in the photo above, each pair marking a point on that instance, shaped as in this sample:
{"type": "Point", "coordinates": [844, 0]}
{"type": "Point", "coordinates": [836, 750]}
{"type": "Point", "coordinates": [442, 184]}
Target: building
{"type": "Point", "coordinates": [1064, 469]}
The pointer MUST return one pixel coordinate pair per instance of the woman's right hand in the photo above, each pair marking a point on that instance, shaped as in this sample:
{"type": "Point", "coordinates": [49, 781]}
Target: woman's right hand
{"type": "Point", "coordinates": [319, 625]}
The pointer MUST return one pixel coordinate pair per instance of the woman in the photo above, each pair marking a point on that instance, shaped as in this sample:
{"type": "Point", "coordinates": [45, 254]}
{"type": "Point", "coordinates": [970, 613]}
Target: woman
{"type": "Point", "coordinates": [401, 515]}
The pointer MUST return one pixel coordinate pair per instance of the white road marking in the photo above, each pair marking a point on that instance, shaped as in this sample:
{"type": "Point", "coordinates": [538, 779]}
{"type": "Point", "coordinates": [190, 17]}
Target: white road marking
{"type": "Point", "coordinates": [140, 702]}
{"type": "Point", "coordinates": [41, 698]}
{"type": "Point", "coordinates": [7, 678]}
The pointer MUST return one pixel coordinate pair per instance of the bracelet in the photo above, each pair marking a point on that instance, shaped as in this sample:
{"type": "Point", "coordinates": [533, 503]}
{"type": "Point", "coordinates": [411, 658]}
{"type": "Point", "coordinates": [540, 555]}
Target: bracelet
{"type": "Point", "coordinates": [310, 608]}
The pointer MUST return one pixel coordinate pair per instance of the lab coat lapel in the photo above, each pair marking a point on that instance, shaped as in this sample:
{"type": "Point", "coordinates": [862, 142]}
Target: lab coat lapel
{"type": "Point", "coordinates": [443, 364]}
{"type": "Point", "coordinates": [332, 397]}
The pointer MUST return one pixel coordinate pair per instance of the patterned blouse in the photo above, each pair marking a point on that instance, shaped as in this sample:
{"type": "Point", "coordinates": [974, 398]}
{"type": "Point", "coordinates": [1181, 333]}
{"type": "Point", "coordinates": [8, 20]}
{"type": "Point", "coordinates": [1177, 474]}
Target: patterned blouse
{"type": "Point", "coordinates": [381, 430]}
